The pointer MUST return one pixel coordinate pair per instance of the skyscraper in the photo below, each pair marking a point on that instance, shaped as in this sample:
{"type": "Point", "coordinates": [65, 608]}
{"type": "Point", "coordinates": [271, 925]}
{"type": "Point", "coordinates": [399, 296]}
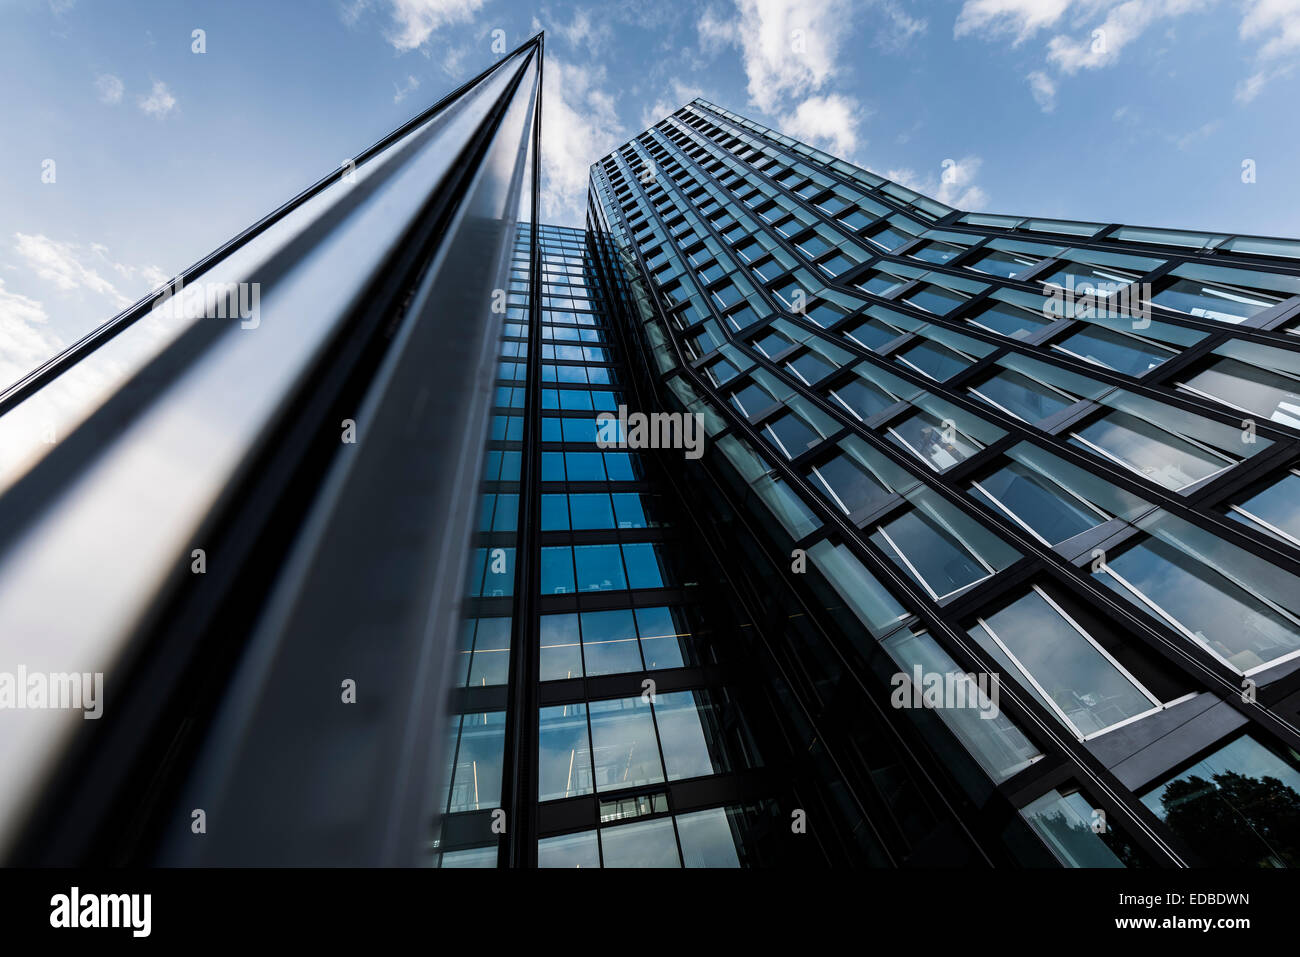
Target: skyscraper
{"type": "Point", "coordinates": [781, 517]}
{"type": "Point", "coordinates": [1034, 475]}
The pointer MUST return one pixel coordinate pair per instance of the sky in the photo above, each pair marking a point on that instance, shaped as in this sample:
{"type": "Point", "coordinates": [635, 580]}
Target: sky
{"type": "Point", "coordinates": [131, 146]}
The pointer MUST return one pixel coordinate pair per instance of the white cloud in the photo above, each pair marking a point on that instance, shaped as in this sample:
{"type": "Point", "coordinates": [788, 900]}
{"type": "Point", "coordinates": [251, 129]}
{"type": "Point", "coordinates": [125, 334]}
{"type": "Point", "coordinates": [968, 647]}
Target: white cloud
{"type": "Point", "coordinates": [901, 27]}
{"type": "Point", "coordinates": [410, 86]}
{"type": "Point", "coordinates": [1021, 18]}
{"type": "Point", "coordinates": [70, 267]}
{"type": "Point", "coordinates": [109, 89]}
{"type": "Point", "coordinates": [416, 20]}
{"type": "Point", "coordinates": [60, 263]}
{"type": "Point", "coordinates": [955, 184]}
{"type": "Point", "coordinates": [579, 125]}
{"type": "Point", "coordinates": [1043, 89]}
{"type": "Point", "coordinates": [788, 47]}
{"type": "Point", "coordinates": [1100, 30]}
{"type": "Point", "coordinates": [830, 121]}
{"type": "Point", "coordinates": [669, 103]}
{"type": "Point", "coordinates": [1204, 131]}
{"type": "Point", "coordinates": [1123, 24]}
{"type": "Point", "coordinates": [1278, 21]}
{"type": "Point", "coordinates": [159, 102]}
{"type": "Point", "coordinates": [582, 32]}
{"type": "Point", "coordinates": [25, 338]}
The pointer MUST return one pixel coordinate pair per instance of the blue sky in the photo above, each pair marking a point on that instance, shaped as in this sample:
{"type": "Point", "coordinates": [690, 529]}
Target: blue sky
{"type": "Point", "coordinates": [1140, 111]}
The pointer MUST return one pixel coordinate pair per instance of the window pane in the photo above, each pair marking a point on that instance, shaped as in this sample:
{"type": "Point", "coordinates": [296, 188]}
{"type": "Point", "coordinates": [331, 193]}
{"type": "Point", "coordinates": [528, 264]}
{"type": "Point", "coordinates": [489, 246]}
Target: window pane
{"type": "Point", "coordinates": [1239, 807]}
{"type": "Point", "coordinates": [624, 744]}
{"type": "Point", "coordinates": [609, 643]}
{"type": "Point", "coordinates": [563, 755]}
{"type": "Point", "coordinates": [1147, 449]}
{"type": "Point", "coordinates": [569, 850]}
{"type": "Point", "coordinates": [941, 562]}
{"type": "Point", "coordinates": [591, 511]}
{"type": "Point", "coordinates": [1082, 682]}
{"type": "Point", "coordinates": [665, 637]}
{"type": "Point", "coordinates": [644, 844]}
{"type": "Point", "coordinates": [1066, 825]}
{"type": "Point", "coordinates": [998, 745]}
{"type": "Point", "coordinates": [1040, 503]}
{"type": "Point", "coordinates": [1278, 505]}
{"type": "Point", "coordinates": [561, 651]}
{"type": "Point", "coordinates": [1223, 616]}
{"type": "Point", "coordinates": [476, 781]}
{"type": "Point", "coordinates": [707, 839]}
{"type": "Point", "coordinates": [557, 571]}
{"type": "Point", "coordinates": [938, 445]}
{"type": "Point", "coordinates": [1024, 397]}
{"type": "Point", "coordinates": [599, 568]}
{"type": "Point", "coordinates": [1261, 391]}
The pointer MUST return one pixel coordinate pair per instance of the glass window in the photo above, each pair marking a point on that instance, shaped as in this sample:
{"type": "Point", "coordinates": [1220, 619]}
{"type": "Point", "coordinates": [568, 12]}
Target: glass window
{"type": "Point", "coordinates": [591, 511]}
{"type": "Point", "coordinates": [584, 466]}
{"type": "Point", "coordinates": [692, 735]}
{"type": "Point", "coordinates": [609, 644]}
{"type": "Point", "coordinates": [1202, 602]}
{"type": "Point", "coordinates": [1036, 502]}
{"type": "Point", "coordinates": [600, 568]}
{"type": "Point", "coordinates": [1275, 510]}
{"type": "Point", "coordinates": [490, 662]}
{"type": "Point", "coordinates": [646, 567]}
{"type": "Point", "coordinates": [1070, 827]}
{"type": "Point", "coordinates": [555, 513]}
{"type": "Point", "coordinates": [935, 360]}
{"type": "Point", "coordinates": [1022, 396]}
{"type": "Point", "coordinates": [1239, 807]}
{"type": "Point", "coordinates": [624, 744]}
{"type": "Point", "coordinates": [665, 637]}
{"type": "Point", "coordinates": [999, 747]}
{"type": "Point", "coordinates": [563, 753]}
{"type": "Point", "coordinates": [1034, 641]}
{"type": "Point", "coordinates": [936, 299]}
{"type": "Point", "coordinates": [557, 571]}
{"type": "Point", "coordinates": [1124, 353]}
{"type": "Point", "coordinates": [642, 844]}
{"type": "Point", "coordinates": [1223, 303]}
{"type": "Point", "coordinates": [561, 652]}
{"type": "Point", "coordinates": [864, 399]}
{"type": "Point", "coordinates": [1005, 264]}
{"type": "Point", "coordinates": [850, 485]}
{"type": "Point", "coordinates": [791, 435]}
{"type": "Point", "coordinates": [476, 779]}
{"type": "Point", "coordinates": [935, 442]}
{"type": "Point", "coordinates": [929, 553]}
{"type": "Point", "coordinates": [937, 252]}
{"type": "Point", "coordinates": [874, 334]}
{"type": "Point", "coordinates": [707, 839]}
{"type": "Point", "coordinates": [1143, 447]}
{"type": "Point", "coordinates": [569, 850]}
{"type": "Point", "coordinates": [1011, 321]}
{"type": "Point", "coordinates": [1250, 389]}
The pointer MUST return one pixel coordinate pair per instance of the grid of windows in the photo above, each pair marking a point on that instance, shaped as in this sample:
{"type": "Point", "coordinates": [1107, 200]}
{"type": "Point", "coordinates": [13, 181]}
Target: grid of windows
{"type": "Point", "coordinates": [623, 709]}
{"type": "Point", "coordinates": [936, 407]}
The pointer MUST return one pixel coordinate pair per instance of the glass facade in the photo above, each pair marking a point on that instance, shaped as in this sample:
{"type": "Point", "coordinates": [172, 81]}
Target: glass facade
{"type": "Point", "coordinates": [1034, 477]}
{"type": "Point", "coordinates": [782, 516]}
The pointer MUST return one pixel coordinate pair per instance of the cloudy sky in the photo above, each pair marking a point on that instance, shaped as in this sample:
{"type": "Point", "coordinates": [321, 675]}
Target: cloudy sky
{"type": "Point", "coordinates": [127, 155]}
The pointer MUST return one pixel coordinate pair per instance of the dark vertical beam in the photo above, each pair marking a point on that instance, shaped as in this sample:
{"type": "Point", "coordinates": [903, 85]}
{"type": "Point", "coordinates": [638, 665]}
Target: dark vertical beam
{"type": "Point", "coordinates": [520, 761]}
